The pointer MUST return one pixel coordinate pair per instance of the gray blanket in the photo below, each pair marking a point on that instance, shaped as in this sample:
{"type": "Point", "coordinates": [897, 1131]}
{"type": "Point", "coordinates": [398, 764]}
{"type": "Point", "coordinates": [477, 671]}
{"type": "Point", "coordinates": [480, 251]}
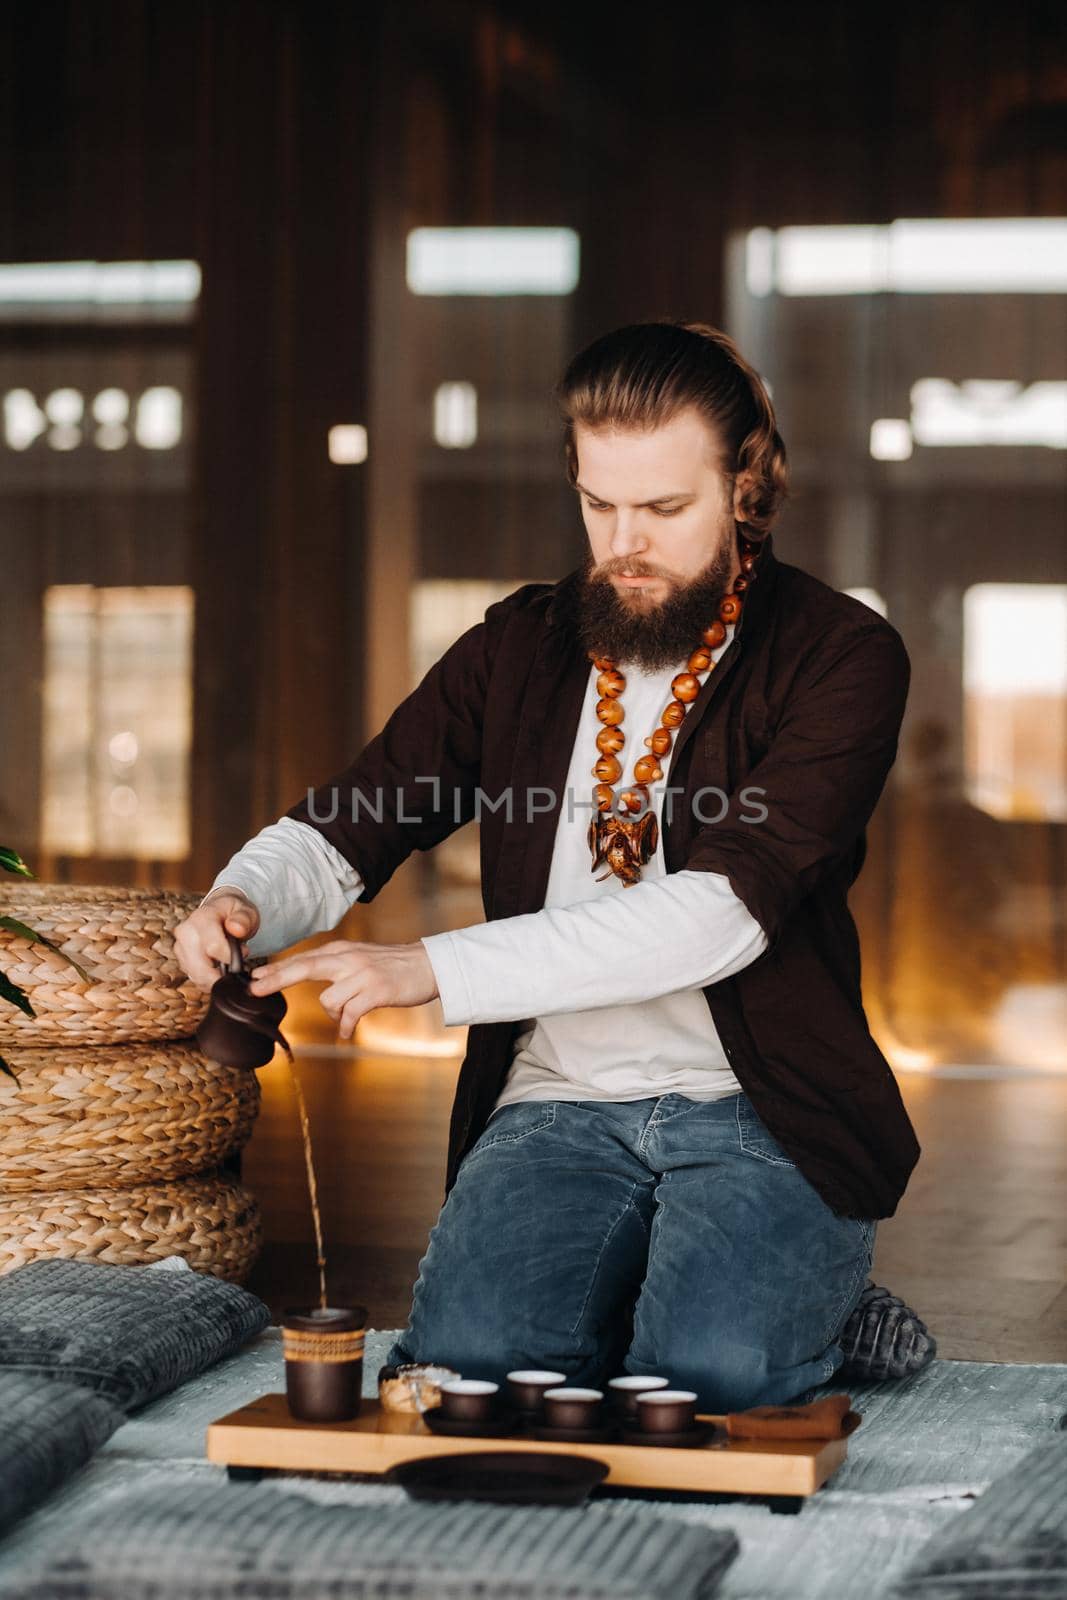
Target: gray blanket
{"type": "Point", "coordinates": [129, 1333]}
{"type": "Point", "coordinates": [47, 1431]}
{"type": "Point", "coordinates": [1011, 1544]}
{"type": "Point", "coordinates": [194, 1543]}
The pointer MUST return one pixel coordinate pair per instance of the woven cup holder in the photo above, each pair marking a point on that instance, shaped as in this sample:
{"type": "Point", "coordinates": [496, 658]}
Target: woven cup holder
{"type": "Point", "coordinates": [323, 1350]}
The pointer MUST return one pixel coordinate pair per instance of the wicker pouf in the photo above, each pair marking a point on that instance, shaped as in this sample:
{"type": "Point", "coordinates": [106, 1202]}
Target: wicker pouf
{"type": "Point", "coordinates": [124, 938]}
{"type": "Point", "coordinates": [212, 1221]}
{"type": "Point", "coordinates": [113, 1116]}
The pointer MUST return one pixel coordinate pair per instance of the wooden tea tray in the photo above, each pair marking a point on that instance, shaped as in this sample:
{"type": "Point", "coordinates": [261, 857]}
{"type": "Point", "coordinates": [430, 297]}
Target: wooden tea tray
{"type": "Point", "coordinates": [262, 1436]}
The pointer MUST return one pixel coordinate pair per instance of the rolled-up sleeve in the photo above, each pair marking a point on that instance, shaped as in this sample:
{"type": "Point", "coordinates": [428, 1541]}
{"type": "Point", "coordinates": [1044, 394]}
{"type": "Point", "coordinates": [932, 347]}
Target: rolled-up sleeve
{"type": "Point", "coordinates": [804, 805]}
{"type": "Point", "coordinates": [297, 881]}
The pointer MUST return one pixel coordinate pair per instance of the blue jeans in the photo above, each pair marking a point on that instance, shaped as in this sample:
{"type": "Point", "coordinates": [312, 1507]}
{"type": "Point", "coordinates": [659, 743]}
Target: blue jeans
{"type": "Point", "coordinates": [665, 1235]}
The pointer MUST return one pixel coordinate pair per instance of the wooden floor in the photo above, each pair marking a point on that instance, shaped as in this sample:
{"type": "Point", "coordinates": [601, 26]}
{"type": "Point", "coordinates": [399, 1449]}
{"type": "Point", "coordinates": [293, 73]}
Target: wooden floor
{"type": "Point", "coordinates": [978, 1245]}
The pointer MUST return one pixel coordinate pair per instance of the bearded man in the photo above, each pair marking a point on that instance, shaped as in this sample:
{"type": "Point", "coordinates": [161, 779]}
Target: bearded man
{"type": "Point", "coordinates": [673, 1134]}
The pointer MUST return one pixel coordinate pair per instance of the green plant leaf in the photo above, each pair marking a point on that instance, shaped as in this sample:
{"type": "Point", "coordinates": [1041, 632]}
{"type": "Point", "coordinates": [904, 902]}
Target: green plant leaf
{"type": "Point", "coordinates": [5, 1068]}
{"type": "Point", "coordinates": [13, 925]}
{"type": "Point", "coordinates": [11, 991]}
{"type": "Point", "coordinates": [11, 861]}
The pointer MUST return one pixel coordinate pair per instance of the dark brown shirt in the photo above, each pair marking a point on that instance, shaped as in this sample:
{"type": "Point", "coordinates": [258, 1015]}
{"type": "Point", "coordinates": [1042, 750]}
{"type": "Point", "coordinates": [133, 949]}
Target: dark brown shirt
{"type": "Point", "coordinates": [790, 739]}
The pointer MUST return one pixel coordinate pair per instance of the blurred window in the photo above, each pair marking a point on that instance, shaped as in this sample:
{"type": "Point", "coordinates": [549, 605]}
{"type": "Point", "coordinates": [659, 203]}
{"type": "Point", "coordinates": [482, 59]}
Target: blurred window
{"type": "Point", "coordinates": [1015, 699]}
{"type": "Point", "coordinates": [117, 721]}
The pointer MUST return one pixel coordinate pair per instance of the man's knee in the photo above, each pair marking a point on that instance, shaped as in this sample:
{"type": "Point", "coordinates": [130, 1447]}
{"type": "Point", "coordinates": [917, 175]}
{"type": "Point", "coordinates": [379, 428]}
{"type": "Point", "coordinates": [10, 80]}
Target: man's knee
{"type": "Point", "coordinates": [480, 1336]}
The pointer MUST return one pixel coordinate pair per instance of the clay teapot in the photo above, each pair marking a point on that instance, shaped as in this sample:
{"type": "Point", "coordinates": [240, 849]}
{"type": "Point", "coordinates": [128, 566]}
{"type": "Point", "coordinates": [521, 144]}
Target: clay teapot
{"type": "Point", "coordinates": [241, 1029]}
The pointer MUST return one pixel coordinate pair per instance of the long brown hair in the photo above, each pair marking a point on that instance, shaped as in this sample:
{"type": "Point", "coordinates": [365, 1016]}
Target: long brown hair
{"type": "Point", "coordinates": [639, 376]}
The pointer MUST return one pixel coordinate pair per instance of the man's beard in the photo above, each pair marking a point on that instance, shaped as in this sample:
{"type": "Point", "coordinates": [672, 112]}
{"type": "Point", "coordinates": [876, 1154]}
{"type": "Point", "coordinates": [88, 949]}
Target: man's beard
{"type": "Point", "coordinates": [664, 634]}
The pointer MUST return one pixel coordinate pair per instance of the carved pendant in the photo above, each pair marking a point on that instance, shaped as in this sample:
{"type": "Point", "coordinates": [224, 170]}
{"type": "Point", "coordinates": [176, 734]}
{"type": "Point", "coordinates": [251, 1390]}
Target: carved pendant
{"type": "Point", "coordinates": [624, 843]}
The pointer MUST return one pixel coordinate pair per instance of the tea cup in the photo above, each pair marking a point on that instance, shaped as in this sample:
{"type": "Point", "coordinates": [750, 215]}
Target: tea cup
{"type": "Point", "coordinates": [323, 1350]}
{"type": "Point", "coordinates": [624, 1392]}
{"type": "Point", "coordinates": [572, 1408]}
{"type": "Point", "coordinates": [468, 1399]}
{"type": "Point", "coordinates": [666, 1410]}
{"type": "Point", "coordinates": [527, 1387]}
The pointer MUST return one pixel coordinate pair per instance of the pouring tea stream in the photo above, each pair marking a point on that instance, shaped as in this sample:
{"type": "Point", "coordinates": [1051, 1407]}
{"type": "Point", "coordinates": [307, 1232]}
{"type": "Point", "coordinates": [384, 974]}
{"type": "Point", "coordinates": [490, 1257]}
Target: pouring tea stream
{"type": "Point", "coordinates": [241, 1029]}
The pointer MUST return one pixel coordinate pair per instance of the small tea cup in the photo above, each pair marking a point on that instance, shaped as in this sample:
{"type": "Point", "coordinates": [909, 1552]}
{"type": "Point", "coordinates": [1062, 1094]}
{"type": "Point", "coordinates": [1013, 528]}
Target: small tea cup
{"type": "Point", "coordinates": [624, 1392]}
{"type": "Point", "coordinates": [666, 1410]}
{"type": "Point", "coordinates": [527, 1387]}
{"type": "Point", "coordinates": [469, 1399]}
{"type": "Point", "coordinates": [572, 1408]}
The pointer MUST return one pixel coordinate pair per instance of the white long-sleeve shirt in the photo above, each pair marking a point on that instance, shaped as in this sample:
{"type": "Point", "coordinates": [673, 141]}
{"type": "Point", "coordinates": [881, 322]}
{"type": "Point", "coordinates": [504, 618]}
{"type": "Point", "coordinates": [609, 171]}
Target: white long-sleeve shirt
{"type": "Point", "coordinates": [605, 980]}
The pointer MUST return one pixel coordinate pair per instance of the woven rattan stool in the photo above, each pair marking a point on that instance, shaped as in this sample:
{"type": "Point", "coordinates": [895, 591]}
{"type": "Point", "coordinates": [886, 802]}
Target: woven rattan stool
{"type": "Point", "coordinates": [211, 1220]}
{"type": "Point", "coordinates": [124, 939]}
{"type": "Point", "coordinates": [115, 1127]}
{"type": "Point", "coordinates": [114, 1116]}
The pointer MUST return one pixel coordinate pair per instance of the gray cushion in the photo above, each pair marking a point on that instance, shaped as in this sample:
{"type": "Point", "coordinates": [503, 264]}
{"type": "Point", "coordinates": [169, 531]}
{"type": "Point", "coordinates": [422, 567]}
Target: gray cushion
{"type": "Point", "coordinates": [130, 1333]}
{"type": "Point", "coordinates": [1011, 1544]}
{"type": "Point", "coordinates": [47, 1431]}
{"type": "Point", "coordinates": [221, 1541]}
{"type": "Point", "coordinates": [884, 1338]}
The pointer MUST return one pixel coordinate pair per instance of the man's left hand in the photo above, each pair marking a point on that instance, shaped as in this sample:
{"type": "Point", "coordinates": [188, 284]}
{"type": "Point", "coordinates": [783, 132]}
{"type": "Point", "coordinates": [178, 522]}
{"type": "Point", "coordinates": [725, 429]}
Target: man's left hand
{"type": "Point", "coordinates": [361, 977]}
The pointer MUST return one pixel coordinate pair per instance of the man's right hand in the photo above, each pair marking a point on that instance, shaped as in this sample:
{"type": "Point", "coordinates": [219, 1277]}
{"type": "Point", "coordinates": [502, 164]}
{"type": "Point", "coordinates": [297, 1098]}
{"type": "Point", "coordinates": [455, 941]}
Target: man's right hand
{"type": "Point", "coordinates": [201, 940]}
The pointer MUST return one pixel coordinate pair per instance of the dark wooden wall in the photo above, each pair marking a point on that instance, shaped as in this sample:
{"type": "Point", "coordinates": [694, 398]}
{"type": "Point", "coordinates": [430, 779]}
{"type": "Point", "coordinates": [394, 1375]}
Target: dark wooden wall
{"type": "Point", "coordinates": [237, 135]}
{"type": "Point", "coordinates": [287, 146]}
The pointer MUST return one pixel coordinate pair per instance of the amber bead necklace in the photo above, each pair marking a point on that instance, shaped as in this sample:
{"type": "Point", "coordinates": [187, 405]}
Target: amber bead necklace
{"type": "Point", "coordinates": [626, 842]}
